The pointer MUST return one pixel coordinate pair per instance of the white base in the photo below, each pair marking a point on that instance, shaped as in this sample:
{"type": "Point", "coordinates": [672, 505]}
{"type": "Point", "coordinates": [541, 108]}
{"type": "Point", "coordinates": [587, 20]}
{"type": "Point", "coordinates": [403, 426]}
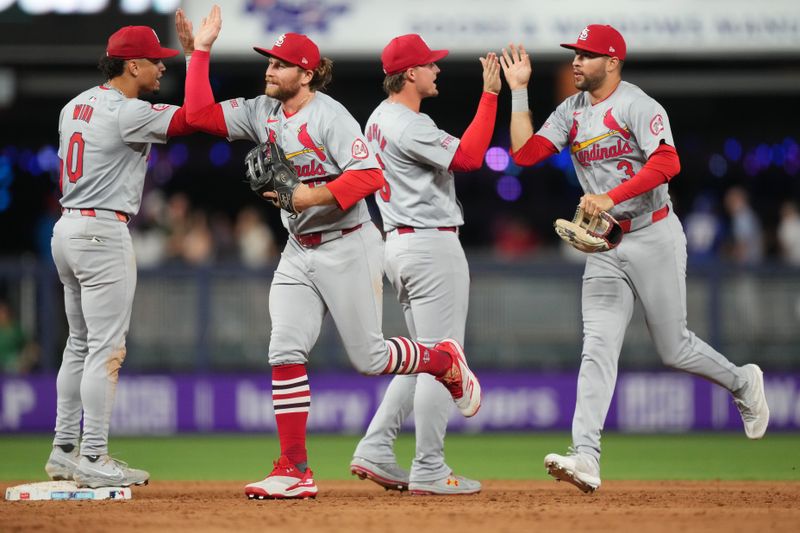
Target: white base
{"type": "Point", "coordinates": [65, 490]}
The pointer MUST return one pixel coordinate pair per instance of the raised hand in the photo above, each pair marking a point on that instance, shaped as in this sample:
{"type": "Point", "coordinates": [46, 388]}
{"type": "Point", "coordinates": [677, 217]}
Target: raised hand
{"type": "Point", "coordinates": [491, 73]}
{"type": "Point", "coordinates": [184, 28]}
{"type": "Point", "coordinates": [209, 30]}
{"type": "Point", "coordinates": [516, 66]}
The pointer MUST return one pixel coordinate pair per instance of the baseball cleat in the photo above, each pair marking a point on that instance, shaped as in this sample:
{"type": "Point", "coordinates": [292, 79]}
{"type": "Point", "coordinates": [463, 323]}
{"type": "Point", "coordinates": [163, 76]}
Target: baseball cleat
{"type": "Point", "coordinates": [752, 404]}
{"type": "Point", "coordinates": [451, 485]}
{"type": "Point", "coordinates": [105, 471]}
{"type": "Point", "coordinates": [388, 475]}
{"type": "Point", "coordinates": [61, 465]}
{"type": "Point", "coordinates": [460, 380]}
{"type": "Point", "coordinates": [284, 482]}
{"type": "Point", "coordinates": [578, 469]}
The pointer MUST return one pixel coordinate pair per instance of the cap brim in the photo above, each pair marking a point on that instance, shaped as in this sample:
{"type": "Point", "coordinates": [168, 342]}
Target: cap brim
{"type": "Point", "coordinates": [271, 53]}
{"type": "Point", "coordinates": [168, 52]}
{"type": "Point", "coordinates": [263, 51]}
{"type": "Point", "coordinates": [576, 46]}
{"type": "Point", "coordinates": [437, 55]}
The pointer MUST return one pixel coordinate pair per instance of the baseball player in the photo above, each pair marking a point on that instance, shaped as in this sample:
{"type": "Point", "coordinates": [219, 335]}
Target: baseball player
{"type": "Point", "coordinates": [105, 138]}
{"type": "Point", "coordinates": [332, 262]}
{"type": "Point", "coordinates": [423, 255]}
{"type": "Point", "coordinates": [622, 149]}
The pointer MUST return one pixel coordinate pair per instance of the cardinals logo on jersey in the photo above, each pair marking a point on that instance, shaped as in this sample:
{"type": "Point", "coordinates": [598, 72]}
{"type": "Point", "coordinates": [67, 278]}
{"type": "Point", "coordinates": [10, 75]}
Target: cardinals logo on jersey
{"type": "Point", "coordinates": [611, 123]}
{"type": "Point", "coordinates": [573, 132]}
{"type": "Point", "coordinates": [599, 152]}
{"type": "Point", "coordinates": [614, 128]}
{"type": "Point", "coordinates": [305, 139]}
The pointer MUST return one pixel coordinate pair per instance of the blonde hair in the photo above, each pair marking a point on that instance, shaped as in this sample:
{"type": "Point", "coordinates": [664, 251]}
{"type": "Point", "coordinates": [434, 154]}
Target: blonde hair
{"type": "Point", "coordinates": [323, 75]}
{"type": "Point", "coordinates": [393, 83]}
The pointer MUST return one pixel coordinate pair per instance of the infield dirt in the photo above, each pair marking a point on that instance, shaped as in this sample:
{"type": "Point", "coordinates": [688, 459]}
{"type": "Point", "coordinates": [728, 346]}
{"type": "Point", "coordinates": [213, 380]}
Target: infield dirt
{"type": "Point", "coordinates": [354, 506]}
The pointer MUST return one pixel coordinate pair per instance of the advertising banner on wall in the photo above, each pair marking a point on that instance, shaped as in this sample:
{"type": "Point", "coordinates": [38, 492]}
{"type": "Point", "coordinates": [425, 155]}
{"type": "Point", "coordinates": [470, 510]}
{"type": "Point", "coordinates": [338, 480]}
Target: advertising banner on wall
{"type": "Point", "coordinates": [345, 403]}
{"type": "Point", "coordinates": [361, 28]}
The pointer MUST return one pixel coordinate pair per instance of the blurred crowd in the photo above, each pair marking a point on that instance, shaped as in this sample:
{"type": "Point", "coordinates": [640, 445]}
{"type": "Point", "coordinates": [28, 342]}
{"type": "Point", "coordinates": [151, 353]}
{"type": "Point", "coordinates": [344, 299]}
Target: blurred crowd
{"type": "Point", "coordinates": [171, 231]}
{"type": "Point", "coordinates": [18, 353]}
{"type": "Point", "coordinates": [736, 233]}
{"type": "Point", "coordinates": [727, 229]}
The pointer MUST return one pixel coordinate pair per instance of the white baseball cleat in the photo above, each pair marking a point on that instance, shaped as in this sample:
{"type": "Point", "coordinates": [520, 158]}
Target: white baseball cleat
{"type": "Point", "coordinates": [580, 469]}
{"type": "Point", "coordinates": [61, 465]}
{"type": "Point", "coordinates": [460, 380]}
{"type": "Point", "coordinates": [752, 403]}
{"type": "Point", "coordinates": [105, 471]}
{"type": "Point", "coordinates": [285, 481]}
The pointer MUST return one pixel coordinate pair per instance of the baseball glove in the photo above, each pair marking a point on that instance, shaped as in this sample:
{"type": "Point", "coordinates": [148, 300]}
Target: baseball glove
{"type": "Point", "coordinates": [268, 170]}
{"type": "Point", "coordinates": [590, 234]}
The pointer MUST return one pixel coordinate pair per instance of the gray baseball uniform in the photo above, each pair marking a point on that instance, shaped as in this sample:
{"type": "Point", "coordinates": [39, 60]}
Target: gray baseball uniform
{"type": "Point", "coordinates": [343, 277]}
{"type": "Point", "coordinates": [610, 141]}
{"type": "Point", "coordinates": [104, 144]}
{"type": "Point", "coordinates": [426, 265]}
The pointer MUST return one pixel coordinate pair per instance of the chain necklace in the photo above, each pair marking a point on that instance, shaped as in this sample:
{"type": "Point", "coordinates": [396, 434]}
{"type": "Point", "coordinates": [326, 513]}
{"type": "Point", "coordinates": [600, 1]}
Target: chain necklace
{"type": "Point", "coordinates": [108, 85]}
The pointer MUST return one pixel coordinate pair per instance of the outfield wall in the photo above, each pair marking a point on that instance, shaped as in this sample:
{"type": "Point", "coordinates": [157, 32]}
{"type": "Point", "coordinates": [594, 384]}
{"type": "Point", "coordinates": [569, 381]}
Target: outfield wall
{"type": "Point", "coordinates": [344, 403]}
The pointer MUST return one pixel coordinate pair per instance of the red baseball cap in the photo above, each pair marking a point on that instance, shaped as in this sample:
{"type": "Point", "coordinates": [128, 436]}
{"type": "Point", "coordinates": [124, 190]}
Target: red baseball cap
{"type": "Point", "coordinates": [134, 42]}
{"type": "Point", "coordinates": [408, 51]}
{"type": "Point", "coordinates": [600, 39]}
{"type": "Point", "coordinates": [294, 48]}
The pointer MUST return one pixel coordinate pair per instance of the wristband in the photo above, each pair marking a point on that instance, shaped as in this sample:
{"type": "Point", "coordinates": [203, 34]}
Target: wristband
{"type": "Point", "coordinates": [519, 100]}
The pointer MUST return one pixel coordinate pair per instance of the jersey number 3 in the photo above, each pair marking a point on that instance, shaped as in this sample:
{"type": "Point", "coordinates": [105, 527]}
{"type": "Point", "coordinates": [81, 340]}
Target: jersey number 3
{"type": "Point", "coordinates": [74, 163]}
{"type": "Point", "coordinates": [627, 168]}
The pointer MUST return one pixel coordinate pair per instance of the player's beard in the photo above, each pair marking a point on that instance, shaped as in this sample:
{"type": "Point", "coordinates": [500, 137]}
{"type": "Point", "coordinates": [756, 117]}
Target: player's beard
{"type": "Point", "coordinates": [590, 83]}
{"type": "Point", "coordinates": [283, 92]}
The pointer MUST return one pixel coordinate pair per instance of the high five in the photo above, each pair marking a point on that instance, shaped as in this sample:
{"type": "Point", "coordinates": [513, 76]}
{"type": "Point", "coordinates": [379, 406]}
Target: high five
{"type": "Point", "coordinates": [624, 155]}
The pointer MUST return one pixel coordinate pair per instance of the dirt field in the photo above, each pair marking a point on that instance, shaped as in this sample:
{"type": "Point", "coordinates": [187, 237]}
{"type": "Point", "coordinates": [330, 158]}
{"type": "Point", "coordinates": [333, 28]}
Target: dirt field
{"type": "Point", "coordinates": [348, 506]}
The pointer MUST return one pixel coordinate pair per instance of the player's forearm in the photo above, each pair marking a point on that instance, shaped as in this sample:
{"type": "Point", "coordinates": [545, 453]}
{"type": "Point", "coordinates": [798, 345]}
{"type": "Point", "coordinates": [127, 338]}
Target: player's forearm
{"type": "Point", "coordinates": [178, 125]}
{"type": "Point", "coordinates": [353, 185]}
{"type": "Point", "coordinates": [661, 167]}
{"type": "Point", "coordinates": [478, 135]}
{"type": "Point", "coordinates": [201, 110]}
{"type": "Point", "coordinates": [305, 197]}
{"type": "Point", "coordinates": [536, 149]}
{"type": "Point", "coordinates": [521, 120]}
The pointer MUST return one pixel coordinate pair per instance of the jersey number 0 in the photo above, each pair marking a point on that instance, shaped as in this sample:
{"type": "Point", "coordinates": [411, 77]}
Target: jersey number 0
{"type": "Point", "coordinates": [74, 163]}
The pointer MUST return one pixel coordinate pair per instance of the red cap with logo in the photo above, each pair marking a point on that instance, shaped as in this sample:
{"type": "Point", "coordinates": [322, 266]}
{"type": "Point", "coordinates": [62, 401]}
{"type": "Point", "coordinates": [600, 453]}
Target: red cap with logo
{"type": "Point", "coordinates": [408, 51]}
{"type": "Point", "coordinates": [137, 42]}
{"type": "Point", "coordinates": [600, 39]}
{"type": "Point", "coordinates": [294, 48]}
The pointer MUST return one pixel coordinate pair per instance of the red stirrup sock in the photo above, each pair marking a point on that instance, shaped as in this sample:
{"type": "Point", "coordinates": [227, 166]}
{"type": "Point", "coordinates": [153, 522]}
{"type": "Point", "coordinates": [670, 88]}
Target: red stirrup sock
{"type": "Point", "coordinates": [291, 399]}
{"type": "Point", "coordinates": [409, 357]}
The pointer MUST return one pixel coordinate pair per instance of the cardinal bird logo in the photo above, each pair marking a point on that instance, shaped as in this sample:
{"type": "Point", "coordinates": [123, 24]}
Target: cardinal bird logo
{"type": "Point", "coordinates": [611, 123]}
{"type": "Point", "coordinates": [305, 139]}
{"type": "Point", "coordinates": [573, 131]}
